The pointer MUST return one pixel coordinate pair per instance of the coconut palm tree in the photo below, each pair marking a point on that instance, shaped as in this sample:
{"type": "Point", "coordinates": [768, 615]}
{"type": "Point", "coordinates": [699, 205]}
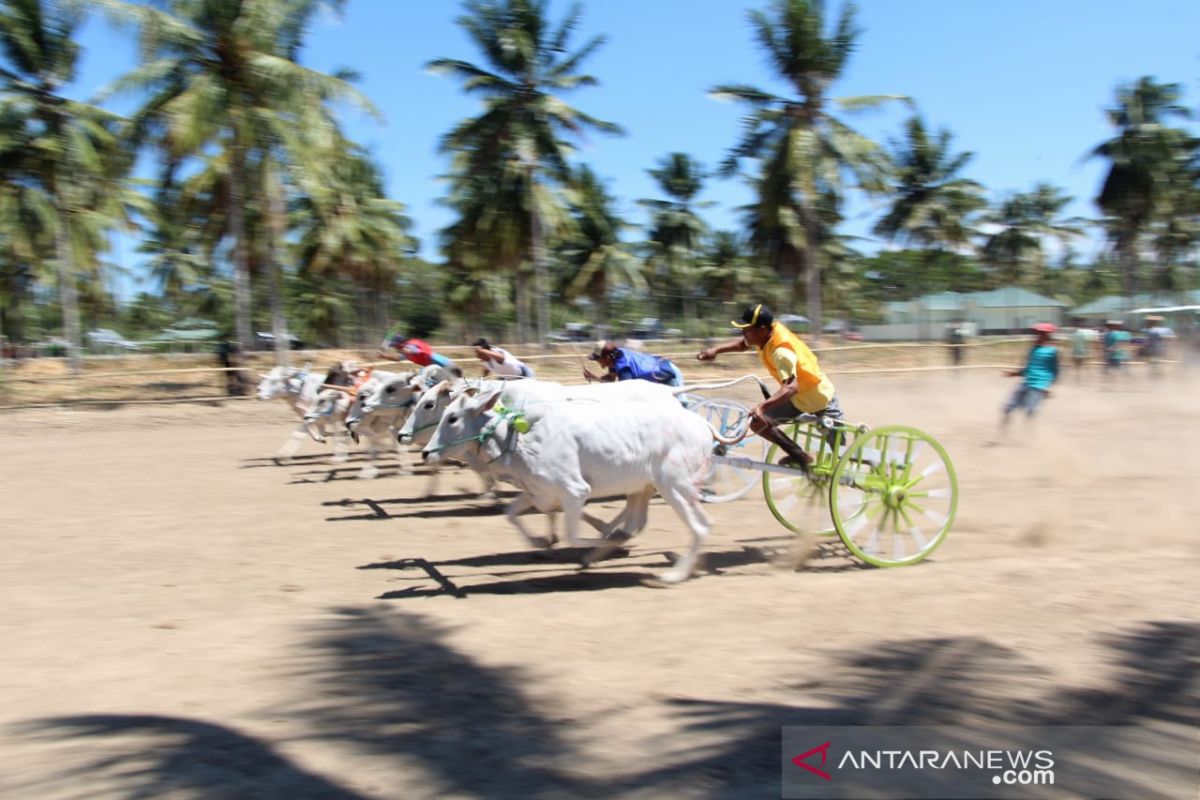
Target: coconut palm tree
{"type": "Point", "coordinates": [348, 228]}
{"type": "Point", "coordinates": [1021, 223]}
{"type": "Point", "coordinates": [1144, 154]}
{"type": "Point", "coordinates": [27, 222]}
{"type": "Point", "coordinates": [525, 126]}
{"type": "Point", "coordinates": [676, 231]}
{"type": "Point", "coordinates": [598, 262]}
{"type": "Point", "coordinates": [802, 149]}
{"type": "Point", "coordinates": [224, 74]}
{"type": "Point", "coordinates": [73, 147]}
{"type": "Point", "coordinates": [727, 273]}
{"type": "Point", "coordinates": [931, 204]}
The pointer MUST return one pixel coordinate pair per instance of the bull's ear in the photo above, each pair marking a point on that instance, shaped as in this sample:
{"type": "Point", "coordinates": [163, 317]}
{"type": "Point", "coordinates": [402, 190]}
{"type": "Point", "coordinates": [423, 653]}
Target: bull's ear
{"type": "Point", "coordinates": [442, 388]}
{"type": "Point", "coordinates": [484, 400]}
{"type": "Point", "coordinates": [488, 401]}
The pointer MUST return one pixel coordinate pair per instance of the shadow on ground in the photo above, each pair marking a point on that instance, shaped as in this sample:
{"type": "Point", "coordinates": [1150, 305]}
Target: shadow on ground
{"type": "Point", "coordinates": [390, 686]}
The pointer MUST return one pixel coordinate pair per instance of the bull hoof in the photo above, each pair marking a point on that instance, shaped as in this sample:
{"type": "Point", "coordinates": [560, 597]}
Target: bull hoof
{"type": "Point", "coordinates": [540, 542]}
{"type": "Point", "coordinates": [674, 576]}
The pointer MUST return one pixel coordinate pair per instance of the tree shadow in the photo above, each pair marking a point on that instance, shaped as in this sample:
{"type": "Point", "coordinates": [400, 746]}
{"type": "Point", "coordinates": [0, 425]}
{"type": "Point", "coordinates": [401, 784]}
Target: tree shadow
{"type": "Point", "coordinates": [966, 682]}
{"type": "Point", "coordinates": [392, 686]}
{"type": "Point", "coordinates": [174, 755]}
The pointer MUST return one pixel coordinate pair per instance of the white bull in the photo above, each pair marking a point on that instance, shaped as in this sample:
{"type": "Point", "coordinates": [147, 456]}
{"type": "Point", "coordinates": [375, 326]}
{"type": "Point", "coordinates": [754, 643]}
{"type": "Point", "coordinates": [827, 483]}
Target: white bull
{"type": "Point", "coordinates": [532, 397]}
{"type": "Point", "coordinates": [335, 404]}
{"type": "Point", "coordinates": [299, 387]}
{"type": "Point", "coordinates": [577, 448]}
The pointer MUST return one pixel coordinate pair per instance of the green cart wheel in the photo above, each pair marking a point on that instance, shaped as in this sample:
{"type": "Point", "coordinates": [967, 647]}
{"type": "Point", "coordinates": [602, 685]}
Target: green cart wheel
{"type": "Point", "coordinates": [799, 503]}
{"type": "Point", "coordinates": [893, 496]}
{"type": "Point", "coordinates": [724, 482]}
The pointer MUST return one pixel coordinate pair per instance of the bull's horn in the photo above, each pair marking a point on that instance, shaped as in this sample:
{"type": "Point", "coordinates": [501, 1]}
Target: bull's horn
{"type": "Point", "coordinates": [342, 389]}
{"type": "Point", "coordinates": [263, 376]}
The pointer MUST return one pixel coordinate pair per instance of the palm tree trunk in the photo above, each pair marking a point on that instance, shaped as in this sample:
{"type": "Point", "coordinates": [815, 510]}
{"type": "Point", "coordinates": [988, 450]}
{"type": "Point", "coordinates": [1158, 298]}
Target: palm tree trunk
{"type": "Point", "coordinates": [241, 255]}
{"type": "Point", "coordinates": [275, 210]}
{"type": "Point", "coordinates": [537, 251]}
{"type": "Point", "coordinates": [383, 301]}
{"type": "Point", "coordinates": [521, 292]}
{"type": "Point", "coordinates": [1127, 252]}
{"type": "Point", "coordinates": [689, 313]}
{"type": "Point", "coordinates": [360, 313]}
{"type": "Point", "coordinates": [812, 270]}
{"type": "Point", "coordinates": [788, 268]}
{"type": "Point", "coordinates": [66, 280]}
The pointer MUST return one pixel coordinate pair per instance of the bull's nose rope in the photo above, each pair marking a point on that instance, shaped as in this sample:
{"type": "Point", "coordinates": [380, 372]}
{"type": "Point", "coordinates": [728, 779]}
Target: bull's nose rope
{"type": "Point", "coordinates": [502, 414]}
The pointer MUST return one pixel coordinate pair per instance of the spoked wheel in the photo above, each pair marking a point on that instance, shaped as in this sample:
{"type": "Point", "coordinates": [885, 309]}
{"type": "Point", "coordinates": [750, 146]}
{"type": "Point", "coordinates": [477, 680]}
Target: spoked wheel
{"type": "Point", "coordinates": [900, 487]}
{"type": "Point", "coordinates": [801, 504]}
{"type": "Point", "coordinates": [723, 481]}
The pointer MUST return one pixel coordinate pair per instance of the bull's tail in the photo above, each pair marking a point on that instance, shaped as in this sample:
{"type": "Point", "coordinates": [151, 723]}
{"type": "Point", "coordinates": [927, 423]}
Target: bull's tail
{"type": "Point", "coordinates": [722, 438]}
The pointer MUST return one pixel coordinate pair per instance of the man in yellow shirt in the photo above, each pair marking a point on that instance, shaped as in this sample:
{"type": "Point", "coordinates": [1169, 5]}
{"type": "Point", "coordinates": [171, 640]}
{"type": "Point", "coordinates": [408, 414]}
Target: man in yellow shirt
{"type": "Point", "coordinates": [803, 387]}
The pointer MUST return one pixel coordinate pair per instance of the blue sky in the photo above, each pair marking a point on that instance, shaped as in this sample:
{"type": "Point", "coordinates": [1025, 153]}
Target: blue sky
{"type": "Point", "coordinates": [1022, 84]}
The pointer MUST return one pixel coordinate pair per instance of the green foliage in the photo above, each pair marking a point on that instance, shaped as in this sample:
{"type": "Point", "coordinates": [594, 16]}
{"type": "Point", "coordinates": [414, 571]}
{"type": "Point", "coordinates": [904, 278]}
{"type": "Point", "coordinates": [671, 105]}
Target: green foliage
{"type": "Point", "coordinates": [508, 161]}
{"type": "Point", "coordinates": [804, 154]}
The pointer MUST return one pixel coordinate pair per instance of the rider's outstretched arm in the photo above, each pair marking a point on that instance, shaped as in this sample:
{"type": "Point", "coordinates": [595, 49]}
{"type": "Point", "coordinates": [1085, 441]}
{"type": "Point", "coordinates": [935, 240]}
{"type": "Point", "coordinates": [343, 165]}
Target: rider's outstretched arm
{"type": "Point", "coordinates": [731, 346]}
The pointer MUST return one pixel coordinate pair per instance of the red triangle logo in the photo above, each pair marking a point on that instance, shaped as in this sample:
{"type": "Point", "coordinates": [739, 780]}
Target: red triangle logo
{"type": "Point", "coordinates": [823, 749]}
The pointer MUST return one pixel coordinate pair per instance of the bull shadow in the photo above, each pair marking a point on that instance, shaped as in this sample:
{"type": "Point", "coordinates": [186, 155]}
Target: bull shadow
{"type": "Point", "coordinates": [586, 581]}
{"type": "Point", "coordinates": [460, 497]}
{"type": "Point", "coordinates": [557, 555]}
{"type": "Point", "coordinates": [522, 581]}
{"type": "Point", "coordinates": [391, 688]}
{"type": "Point", "coordinates": [480, 507]}
{"type": "Point", "coordinates": [307, 460]}
{"type": "Point", "coordinates": [345, 473]}
{"type": "Point", "coordinates": [528, 568]}
{"type": "Point", "coordinates": [464, 511]}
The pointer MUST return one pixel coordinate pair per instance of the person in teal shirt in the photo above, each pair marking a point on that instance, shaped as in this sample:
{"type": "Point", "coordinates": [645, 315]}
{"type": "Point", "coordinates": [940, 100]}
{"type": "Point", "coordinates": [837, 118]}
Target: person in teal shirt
{"type": "Point", "coordinates": [1040, 373]}
{"type": "Point", "coordinates": [1116, 343]}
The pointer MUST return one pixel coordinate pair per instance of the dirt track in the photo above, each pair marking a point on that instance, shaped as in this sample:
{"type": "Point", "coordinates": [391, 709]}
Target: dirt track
{"type": "Point", "coordinates": [183, 618]}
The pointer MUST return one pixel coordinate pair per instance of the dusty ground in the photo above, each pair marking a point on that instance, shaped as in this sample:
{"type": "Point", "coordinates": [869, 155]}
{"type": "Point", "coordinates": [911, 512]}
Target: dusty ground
{"type": "Point", "coordinates": [182, 618]}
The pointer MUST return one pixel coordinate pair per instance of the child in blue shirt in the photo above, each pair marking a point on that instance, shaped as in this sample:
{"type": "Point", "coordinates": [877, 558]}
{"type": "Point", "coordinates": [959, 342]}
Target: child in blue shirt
{"type": "Point", "coordinates": [1040, 373]}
